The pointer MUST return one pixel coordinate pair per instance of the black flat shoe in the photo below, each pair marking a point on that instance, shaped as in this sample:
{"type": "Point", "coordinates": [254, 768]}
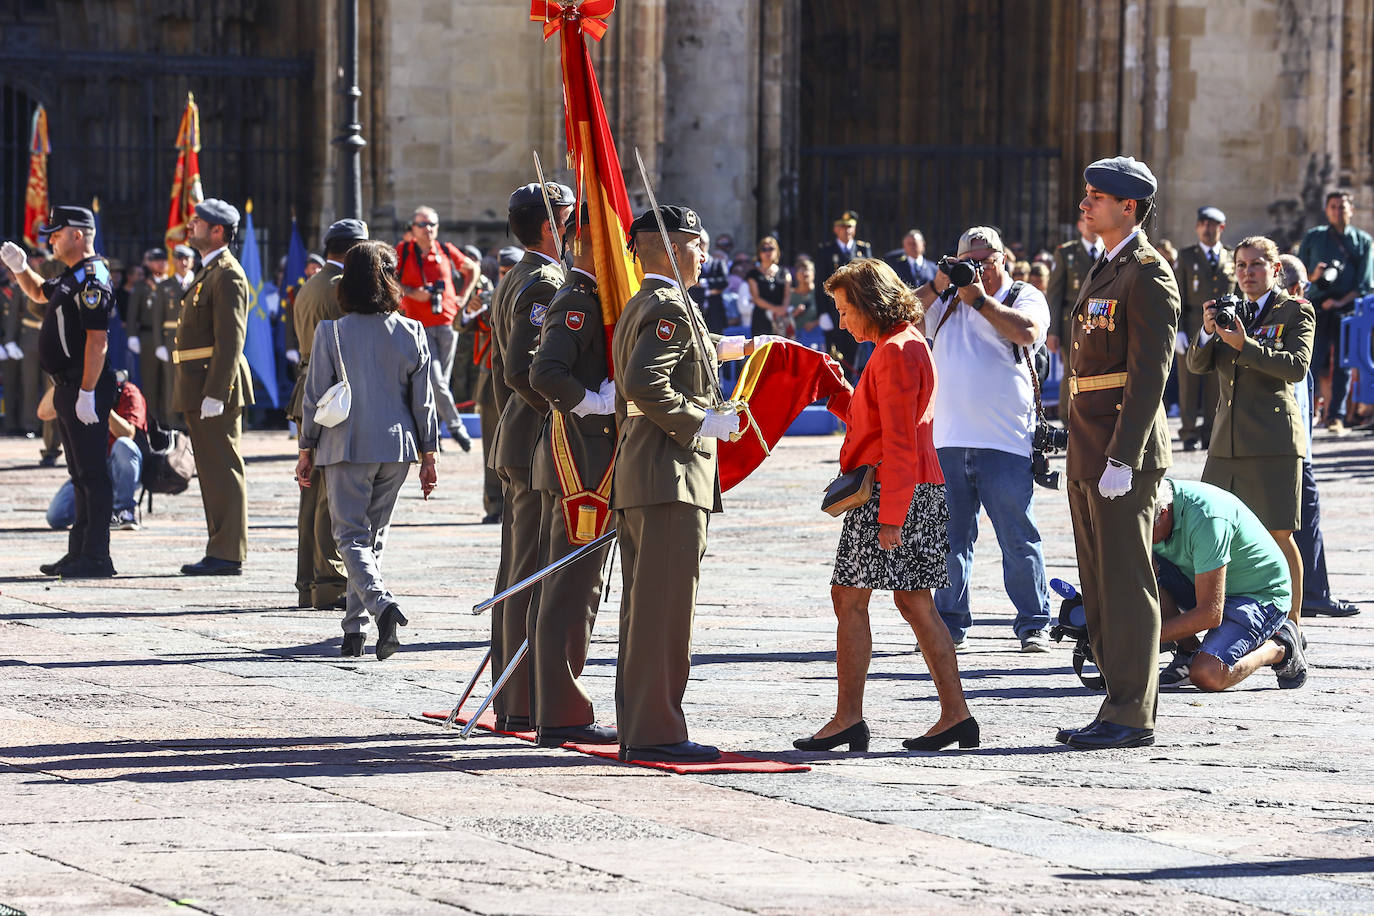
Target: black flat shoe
{"type": "Point", "coordinates": [387, 643]}
{"type": "Point", "coordinates": [579, 734]}
{"type": "Point", "coordinates": [856, 736]}
{"type": "Point", "coordinates": [681, 752]}
{"type": "Point", "coordinates": [213, 566]}
{"type": "Point", "coordinates": [1103, 735]}
{"type": "Point", "coordinates": [966, 733]}
{"type": "Point", "coordinates": [55, 569]}
{"type": "Point", "coordinates": [1064, 734]}
{"type": "Point", "coordinates": [352, 645]}
{"type": "Point", "coordinates": [1332, 607]}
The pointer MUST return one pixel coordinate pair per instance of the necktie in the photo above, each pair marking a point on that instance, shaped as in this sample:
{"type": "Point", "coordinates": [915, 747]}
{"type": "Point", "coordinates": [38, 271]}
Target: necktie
{"type": "Point", "coordinates": [1097, 268]}
{"type": "Point", "coordinates": [1096, 252]}
{"type": "Point", "coordinates": [1212, 257]}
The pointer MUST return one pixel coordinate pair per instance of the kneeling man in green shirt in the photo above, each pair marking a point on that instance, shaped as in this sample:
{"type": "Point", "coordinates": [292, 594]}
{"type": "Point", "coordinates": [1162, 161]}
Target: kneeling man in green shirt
{"type": "Point", "coordinates": [1221, 577]}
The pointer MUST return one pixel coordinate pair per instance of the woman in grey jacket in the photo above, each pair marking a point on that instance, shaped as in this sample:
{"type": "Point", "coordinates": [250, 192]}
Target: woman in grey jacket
{"type": "Point", "coordinates": [390, 425]}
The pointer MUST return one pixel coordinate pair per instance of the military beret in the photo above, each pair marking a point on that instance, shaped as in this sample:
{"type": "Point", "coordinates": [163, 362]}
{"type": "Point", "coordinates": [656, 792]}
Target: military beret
{"type": "Point", "coordinates": [155, 254]}
{"type": "Point", "coordinates": [847, 218]}
{"type": "Point", "coordinates": [316, 259]}
{"type": "Point", "coordinates": [560, 195]}
{"type": "Point", "coordinates": [675, 219]}
{"type": "Point", "coordinates": [217, 213]}
{"type": "Point", "coordinates": [1211, 213]}
{"type": "Point", "coordinates": [184, 251]}
{"type": "Point", "coordinates": [346, 229]}
{"type": "Point", "coordinates": [1123, 176]}
{"type": "Point", "coordinates": [510, 255]}
{"type": "Point", "coordinates": [64, 217]}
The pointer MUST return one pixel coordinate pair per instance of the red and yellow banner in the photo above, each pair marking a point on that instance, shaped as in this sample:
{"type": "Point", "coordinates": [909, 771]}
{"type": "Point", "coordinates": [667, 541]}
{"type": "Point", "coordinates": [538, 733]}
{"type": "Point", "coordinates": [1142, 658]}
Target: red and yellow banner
{"type": "Point", "coordinates": [36, 193]}
{"type": "Point", "coordinates": [591, 152]}
{"type": "Point", "coordinates": [186, 191]}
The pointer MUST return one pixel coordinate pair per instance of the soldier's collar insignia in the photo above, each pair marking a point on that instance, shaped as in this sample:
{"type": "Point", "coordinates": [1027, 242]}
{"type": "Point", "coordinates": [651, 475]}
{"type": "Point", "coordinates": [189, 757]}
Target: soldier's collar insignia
{"type": "Point", "coordinates": [665, 329]}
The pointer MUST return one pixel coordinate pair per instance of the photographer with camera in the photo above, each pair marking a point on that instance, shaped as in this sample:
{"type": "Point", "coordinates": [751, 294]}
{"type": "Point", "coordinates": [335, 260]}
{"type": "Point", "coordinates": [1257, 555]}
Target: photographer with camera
{"type": "Point", "coordinates": [427, 269]}
{"type": "Point", "coordinates": [982, 327]}
{"type": "Point", "coordinates": [1341, 268]}
{"type": "Point", "coordinates": [1259, 346]}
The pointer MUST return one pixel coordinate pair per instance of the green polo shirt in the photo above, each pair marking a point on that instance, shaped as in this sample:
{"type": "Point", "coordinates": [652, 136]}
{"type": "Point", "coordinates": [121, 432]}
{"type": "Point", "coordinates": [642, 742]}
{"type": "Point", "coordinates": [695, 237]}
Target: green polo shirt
{"type": "Point", "coordinates": [1325, 244]}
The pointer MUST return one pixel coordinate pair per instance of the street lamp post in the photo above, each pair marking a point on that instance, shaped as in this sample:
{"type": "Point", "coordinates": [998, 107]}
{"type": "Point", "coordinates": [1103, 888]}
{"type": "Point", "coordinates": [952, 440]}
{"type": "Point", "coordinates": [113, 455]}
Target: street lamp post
{"type": "Point", "coordinates": [350, 141]}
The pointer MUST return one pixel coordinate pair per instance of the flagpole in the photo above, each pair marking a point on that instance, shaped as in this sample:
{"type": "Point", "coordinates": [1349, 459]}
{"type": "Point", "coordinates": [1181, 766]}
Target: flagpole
{"type": "Point", "coordinates": [350, 142]}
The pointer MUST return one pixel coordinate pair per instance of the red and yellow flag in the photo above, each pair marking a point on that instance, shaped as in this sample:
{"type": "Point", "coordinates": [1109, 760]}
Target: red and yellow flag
{"type": "Point", "coordinates": [36, 194]}
{"type": "Point", "coordinates": [186, 192]}
{"type": "Point", "coordinates": [591, 152]}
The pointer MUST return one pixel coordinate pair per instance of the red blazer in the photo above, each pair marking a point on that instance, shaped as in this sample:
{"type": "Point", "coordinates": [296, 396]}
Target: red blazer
{"type": "Point", "coordinates": [889, 421]}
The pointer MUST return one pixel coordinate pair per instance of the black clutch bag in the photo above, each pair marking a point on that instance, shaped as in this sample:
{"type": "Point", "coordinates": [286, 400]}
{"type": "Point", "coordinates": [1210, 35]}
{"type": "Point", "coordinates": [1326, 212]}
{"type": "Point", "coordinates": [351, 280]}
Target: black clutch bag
{"type": "Point", "coordinates": [849, 491]}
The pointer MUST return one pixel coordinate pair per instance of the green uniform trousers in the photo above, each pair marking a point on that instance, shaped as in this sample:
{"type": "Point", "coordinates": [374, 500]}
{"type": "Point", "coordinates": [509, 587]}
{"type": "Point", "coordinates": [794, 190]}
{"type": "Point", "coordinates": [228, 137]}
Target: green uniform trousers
{"type": "Point", "coordinates": [489, 415]}
{"type": "Point", "coordinates": [150, 377]}
{"type": "Point", "coordinates": [520, 519]}
{"type": "Point", "coordinates": [223, 492]}
{"type": "Point", "coordinates": [561, 622]}
{"type": "Point", "coordinates": [321, 579]}
{"type": "Point", "coordinates": [14, 399]}
{"type": "Point", "coordinates": [1120, 594]}
{"type": "Point", "coordinates": [1195, 390]}
{"type": "Point", "coordinates": [660, 557]}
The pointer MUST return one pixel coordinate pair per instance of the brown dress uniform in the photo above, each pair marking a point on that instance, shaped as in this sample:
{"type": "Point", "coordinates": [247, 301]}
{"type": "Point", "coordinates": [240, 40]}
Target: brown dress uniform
{"type": "Point", "coordinates": [666, 485]}
{"type": "Point", "coordinates": [1258, 442]}
{"type": "Point", "coordinates": [141, 322]}
{"type": "Point", "coordinates": [1072, 261]}
{"type": "Point", "coordinates": [210, 364]}
{"type": "Point", "coordinates": [321, 579]}
{"type": "Point", "coordinates": [1199, 281]}
{"type": "Point", "coordinates": [517, 313]}
{"type": "Point", "coordinates": [1122, 344]}
{"type": "Point", "coordinates": [573, 455]}
{"type": "Point", "coordinates": [11, 307]}
{"type": "Point", "coordinates": [33, 380]}
{"type": "Point", "coordinates": [165, 309]}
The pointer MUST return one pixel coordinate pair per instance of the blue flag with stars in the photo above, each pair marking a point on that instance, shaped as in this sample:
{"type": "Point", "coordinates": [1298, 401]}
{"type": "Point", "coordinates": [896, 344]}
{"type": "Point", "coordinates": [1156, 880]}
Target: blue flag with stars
{"type": "Point", "coordinates": [257, 347]}
{"type": "Point", "coordinates": [296, 258]}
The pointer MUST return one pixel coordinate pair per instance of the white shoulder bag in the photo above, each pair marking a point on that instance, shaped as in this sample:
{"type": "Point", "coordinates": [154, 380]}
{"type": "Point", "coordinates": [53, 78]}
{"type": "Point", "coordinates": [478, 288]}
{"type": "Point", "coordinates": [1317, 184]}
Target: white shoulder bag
{"type": "Point", "coordinates": [335, 403]}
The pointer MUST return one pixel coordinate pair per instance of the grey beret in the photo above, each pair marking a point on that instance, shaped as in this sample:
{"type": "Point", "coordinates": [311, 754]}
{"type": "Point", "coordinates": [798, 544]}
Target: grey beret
{"type": "Point", "coordinates": [350, 229]}
{"type": "Point", "coordinates": [217, 213]}
{"type": "Point", "coordinates": [510, 255]}
{"type": "Point", "coordinates": [560, 195]}
{"type": "Point", "coordinates": [316, 259]}
{"type": "Point", "coordinates": [184, 251]}
{"type": "Point", "coordinates": [1123, 176]}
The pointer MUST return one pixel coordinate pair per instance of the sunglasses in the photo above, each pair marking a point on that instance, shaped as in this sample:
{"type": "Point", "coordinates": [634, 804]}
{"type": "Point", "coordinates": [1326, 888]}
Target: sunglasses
{"type": "Point", "coordinates": [425, 225]}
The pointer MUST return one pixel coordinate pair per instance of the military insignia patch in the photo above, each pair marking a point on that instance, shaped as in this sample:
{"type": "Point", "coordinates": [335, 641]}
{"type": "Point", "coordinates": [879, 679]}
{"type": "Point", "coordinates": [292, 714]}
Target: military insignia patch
{"type": "Point", "coordinates": [666, 329]}
{"type": "Point", "coordinates": [690, 219]}
{"type": "Point", "coordinates": [537, 313]}
{"type": "Point", "coordinates": [91, 297]}
{"type": "Point", "coordinates": [574, 320]}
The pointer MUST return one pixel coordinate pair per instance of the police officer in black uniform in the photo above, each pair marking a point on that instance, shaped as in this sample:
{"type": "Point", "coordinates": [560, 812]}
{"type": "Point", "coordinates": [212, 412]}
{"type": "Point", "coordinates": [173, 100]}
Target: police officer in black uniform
{"type": "Point", "coordinates": [72, 347]}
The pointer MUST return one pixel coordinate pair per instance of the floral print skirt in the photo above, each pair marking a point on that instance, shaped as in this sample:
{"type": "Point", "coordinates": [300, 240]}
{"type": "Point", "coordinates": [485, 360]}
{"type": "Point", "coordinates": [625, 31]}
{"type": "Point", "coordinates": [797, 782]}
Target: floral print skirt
{"type": "Point", "coordinates": [918, 560]}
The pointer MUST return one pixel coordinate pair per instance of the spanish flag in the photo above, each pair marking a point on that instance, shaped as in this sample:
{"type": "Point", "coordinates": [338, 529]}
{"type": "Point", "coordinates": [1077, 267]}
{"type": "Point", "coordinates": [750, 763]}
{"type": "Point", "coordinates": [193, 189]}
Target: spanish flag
{"type": "Point", "coordinates": [186, 192]}
{"type": "Point", "coordinates": [36, 194]}
{"type": "Point", "coordinates": [591, 152]}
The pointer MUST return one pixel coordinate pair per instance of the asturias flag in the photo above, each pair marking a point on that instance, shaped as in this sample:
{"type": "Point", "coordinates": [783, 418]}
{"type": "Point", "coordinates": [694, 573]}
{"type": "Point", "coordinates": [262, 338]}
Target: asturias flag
{"type": "Point", "coordinates": [257, 346]}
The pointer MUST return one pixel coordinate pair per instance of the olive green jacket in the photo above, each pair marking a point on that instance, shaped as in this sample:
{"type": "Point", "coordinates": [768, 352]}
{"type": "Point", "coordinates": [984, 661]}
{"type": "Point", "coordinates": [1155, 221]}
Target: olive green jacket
{"type": "Point", "coordinates": [210, 334]}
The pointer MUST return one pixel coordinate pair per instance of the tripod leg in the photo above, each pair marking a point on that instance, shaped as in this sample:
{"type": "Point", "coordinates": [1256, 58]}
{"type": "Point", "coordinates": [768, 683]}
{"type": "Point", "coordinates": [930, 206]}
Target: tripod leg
{"type": "Point", "coordinates": [453, 716]}
{"type": "Point", "coordinates": [496, 688]}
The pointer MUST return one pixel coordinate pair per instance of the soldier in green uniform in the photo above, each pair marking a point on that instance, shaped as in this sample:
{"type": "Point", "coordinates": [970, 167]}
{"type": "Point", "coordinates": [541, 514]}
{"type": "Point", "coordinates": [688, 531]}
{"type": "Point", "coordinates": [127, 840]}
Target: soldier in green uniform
{"type": "Point", "coordinates": [34, 382]}
{"type": "Point", "coordinates": [1072, 261]}
{"type": "Point", "coordinates": [571, 470]}
{"type": "Point", "coordinates": [165, 312]}
{"type": "Point", "coordinates": [139, 323]}
{"type": "Point", "coordinates": [666, 483]}
{"type": "Point", "coordinates": [11, 356]}
{"type": "Point", "coordinates": [1204, 271]}
{"type": "Point", "coordinates": [321, 580]}
{"type": "Point", "coordinates": [213, 385]}
{"type": "Point", "coordinates": [517, 314]}
{"type": "Point", "coordinates": [1124, 324]}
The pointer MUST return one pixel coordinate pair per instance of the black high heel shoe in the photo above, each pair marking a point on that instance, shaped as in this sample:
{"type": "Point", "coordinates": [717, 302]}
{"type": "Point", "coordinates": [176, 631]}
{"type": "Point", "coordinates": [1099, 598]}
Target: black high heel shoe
{"type": "Point", "coordinates": [352, 646]}
{"type": "Point", "coordinates": [966, 733]}
{"type": "Point", "coordinates": [856, 736]}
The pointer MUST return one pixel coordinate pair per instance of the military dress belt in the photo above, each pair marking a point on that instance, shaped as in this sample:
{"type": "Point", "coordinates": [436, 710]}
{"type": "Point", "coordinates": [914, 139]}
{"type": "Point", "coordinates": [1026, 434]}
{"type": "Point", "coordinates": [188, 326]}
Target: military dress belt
{"type": "Point", "coordinates": [31, 323]}
{"type": "Point", "coordinates": [181, 356]}
{"type": "Point", "coordinates": [632, 409]}
{"type": "Point", "coordinates": [1081, 383]}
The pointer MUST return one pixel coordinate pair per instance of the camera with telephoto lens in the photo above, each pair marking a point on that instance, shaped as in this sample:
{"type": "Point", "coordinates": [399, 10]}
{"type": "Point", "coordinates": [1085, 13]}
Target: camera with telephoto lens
{"type": "Point", "coordinates": [1327, 277]}
{"type": "Point", "coordinates": [436, 297]}
{"type": "Point", "coordinates": [1232, 309]}
{"type": "Point", "coordinates": [960, 273]}
{"type": "Point", "coordinates": [1044, 441]}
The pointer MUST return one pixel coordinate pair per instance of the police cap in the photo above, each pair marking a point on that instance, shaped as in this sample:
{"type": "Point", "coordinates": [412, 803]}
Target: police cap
{"type": "Point", "coordinates": [218, 213]}
{"type": "Point", "coordinates": [345, 230]}
{"type": "Point", "coordinates": [315, 259]}
{"type": "Point", "coordinates": [560, 195]}
{"type": "Point", "coordinates": [1122, 176]}
{"type": "Point", "coordinates": [184, 251]}
{"type": "Point", "coordinates": [64, 217]}
{"type": "Point", "coordinates": [675, 219]}
{"type": "Point", "coordinates": [510, 255]}
{"type": "Point", "coordinates": [1212, 213]}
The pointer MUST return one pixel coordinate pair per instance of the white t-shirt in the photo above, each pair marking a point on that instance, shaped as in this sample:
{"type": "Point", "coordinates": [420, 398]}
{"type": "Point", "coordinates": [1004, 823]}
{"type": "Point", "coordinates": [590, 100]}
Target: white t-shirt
{"type": "Point", "coordinates": [983, 398]}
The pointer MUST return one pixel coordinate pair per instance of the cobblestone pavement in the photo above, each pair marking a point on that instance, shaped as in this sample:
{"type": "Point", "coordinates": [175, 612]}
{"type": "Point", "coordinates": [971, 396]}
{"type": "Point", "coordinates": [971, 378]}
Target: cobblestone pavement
{"type": "Point", "coordinates": [165, 739]}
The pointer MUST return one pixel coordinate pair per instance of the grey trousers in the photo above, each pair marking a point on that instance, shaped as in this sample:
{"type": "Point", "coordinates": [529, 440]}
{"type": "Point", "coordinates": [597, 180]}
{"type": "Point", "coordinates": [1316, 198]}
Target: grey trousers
{"type": "Point", "coordinates": [442, 343]}
{"type": "Point", "coordinates": [361, 500]}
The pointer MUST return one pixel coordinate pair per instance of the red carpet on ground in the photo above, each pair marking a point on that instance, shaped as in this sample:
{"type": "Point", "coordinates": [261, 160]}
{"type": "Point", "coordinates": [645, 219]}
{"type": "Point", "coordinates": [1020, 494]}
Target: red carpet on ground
{"type": "Point", "coordinates": [727, 762]}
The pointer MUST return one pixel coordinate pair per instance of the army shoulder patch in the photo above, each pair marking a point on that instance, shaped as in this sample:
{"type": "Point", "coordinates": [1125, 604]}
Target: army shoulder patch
{"type": "Point", "coordinates": [1146, 256]}
{"type": "Point", "coordinates": [665, 329]}
{"type": "Point", "coordinates": [91, 297]}
{"type": "Point", "coordinates": [574, 320]}
{"type": "Point", "coordinates": [537, 313]}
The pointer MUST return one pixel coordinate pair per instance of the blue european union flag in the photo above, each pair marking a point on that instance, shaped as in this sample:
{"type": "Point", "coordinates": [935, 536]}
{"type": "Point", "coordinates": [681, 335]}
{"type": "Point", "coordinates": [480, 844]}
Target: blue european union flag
{"type": "Point", "coordinates": [296, 259]}
{"type": "Point", "coordinates": [257, 348]}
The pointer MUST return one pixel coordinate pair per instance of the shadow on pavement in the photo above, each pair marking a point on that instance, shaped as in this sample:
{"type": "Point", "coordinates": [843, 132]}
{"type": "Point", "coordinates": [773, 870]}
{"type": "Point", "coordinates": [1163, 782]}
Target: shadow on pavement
{"type": "Point", "coordinates": [1311, 866]}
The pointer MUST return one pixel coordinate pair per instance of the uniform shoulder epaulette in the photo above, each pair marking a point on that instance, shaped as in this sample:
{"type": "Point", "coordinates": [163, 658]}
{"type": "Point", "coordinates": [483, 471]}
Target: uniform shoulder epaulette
{"type": "Point", "coordinates": [1146, 256]}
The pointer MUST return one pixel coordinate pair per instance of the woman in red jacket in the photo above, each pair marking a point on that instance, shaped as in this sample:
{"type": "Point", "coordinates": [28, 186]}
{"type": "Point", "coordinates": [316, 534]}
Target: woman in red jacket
{"type": "Point", "coordinates": [897, 540]}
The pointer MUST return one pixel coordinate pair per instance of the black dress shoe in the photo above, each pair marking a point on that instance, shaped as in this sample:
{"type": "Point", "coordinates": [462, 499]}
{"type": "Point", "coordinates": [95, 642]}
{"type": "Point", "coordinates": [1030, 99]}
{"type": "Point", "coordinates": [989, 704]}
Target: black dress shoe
{"type": "Point", "coordinates": [1104, 735]}
{"type": "Point", "coordinates": [213, 566]}
{"type": "Point", "coordinates": [1190, 445]}
{"type": "Point", "coordinates": [88, 568]}
{"type": "Point", "coordinates": [491, 518]}
{"type": "Point", "coordinates": [48, 461]}
{"type": "Point", "coordinates": [965, 732]}
{"type": "Point", "coordinates": [856, 736]}
{"type": "Point", "coordinates": [387, 643]}
{"type": "Point", "coordinates": [1331, 607]}
{"type": "Point", "coordinates": [578, 734]}
{"type": "Point", "coordinates": [352, 645]}
{"type": "Point", "coordinates": [681, 752]}
{"type": "Point", "coordinates": [55, 569]}
{"type": "Point", "coordinates": [460, 435]}
{"type": "Point", "coordinates": [513, 724]}
{"type": "Point", "coordinates": [1064, 734]}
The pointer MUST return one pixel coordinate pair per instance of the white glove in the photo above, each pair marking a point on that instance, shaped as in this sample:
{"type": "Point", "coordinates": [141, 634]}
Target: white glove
{"type": "Point", "coordinates": [1116, 480]}
{"type": "Point", "coordinates": [135, 347]}
{"type": "Point", "coordinates": [13, 350]}
{"type": "Point", "coordinates": [209, 407]}
{"type": "Point", "coordinates": [85, 407]}
{"type": "Point", "coordinates": [13, 256]}
{"type": "Point", "coordinates": [1181, 343]}
{"type": "Point", "coordinates": [598, 403]}
{"type": "Point", "coordinates": [293, 357]}
{"type": "Point", "coordinates": [767, 339]}
{"type": "Point", "coordinates": [730, 348]}
{"type": "Point", "coordinates": [162, 354]}
{"type": "Point", "coordinates": [717, 425]}
{"type": "Point", "coordinates": [826, 323]}
{"type": "Point", "coordinates": [4, 354]}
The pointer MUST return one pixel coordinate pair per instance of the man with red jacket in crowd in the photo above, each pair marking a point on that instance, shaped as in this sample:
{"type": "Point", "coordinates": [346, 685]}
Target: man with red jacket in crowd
{"type": "Point", "coordinates": [430, 295]}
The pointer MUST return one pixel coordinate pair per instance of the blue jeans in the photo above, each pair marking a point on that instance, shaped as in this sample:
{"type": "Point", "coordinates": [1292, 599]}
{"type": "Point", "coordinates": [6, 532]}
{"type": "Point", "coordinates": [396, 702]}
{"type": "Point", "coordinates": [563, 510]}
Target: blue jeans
{"type": "Point", "coordinates": [1001, 483]}
{"type": "Point", "coordinates": [1246, 622]}
{"type": "Point", "coordinates": [126, 466]}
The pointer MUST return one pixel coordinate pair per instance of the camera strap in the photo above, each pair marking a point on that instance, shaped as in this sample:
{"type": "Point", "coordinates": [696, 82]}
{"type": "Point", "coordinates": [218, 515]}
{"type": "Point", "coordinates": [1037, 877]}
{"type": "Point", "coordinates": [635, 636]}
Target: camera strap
{"type": "Point", "coordinates": [1023, 354]}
